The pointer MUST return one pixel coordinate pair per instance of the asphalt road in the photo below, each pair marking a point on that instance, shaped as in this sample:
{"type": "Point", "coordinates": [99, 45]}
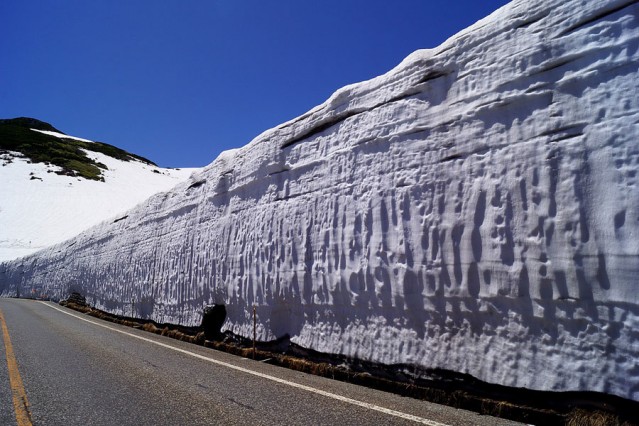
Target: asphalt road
{"type": "Point", "coordinates": [78, 370]}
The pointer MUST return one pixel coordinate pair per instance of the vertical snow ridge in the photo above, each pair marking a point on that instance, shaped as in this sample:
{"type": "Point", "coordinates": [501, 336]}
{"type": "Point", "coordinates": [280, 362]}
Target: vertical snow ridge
{"type": "Point", "coordinates": [474, 209]}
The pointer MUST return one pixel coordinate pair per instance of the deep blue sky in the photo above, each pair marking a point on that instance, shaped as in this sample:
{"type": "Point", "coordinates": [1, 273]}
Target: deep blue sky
{"type": "Point", "coordinates": [180, 81]}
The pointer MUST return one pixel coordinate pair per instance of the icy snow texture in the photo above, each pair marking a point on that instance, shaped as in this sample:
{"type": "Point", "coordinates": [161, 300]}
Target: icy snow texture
{"type": "Point", "coordinates": [475, 209]}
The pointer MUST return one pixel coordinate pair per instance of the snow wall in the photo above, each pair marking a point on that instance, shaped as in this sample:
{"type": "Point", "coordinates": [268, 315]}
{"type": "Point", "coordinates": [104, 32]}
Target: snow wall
{"type": "Point", "coordinates": [475, 209]}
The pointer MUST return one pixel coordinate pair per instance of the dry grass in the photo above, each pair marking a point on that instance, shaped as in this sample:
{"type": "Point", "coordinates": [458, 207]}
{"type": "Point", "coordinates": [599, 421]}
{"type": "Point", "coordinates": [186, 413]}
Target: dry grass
{"type": "Point", "coordinates": [151, 328]}
{"type": "Point", "coordinates": [581, 417]}
{"type": "Point", "coordinates": [470, 398]}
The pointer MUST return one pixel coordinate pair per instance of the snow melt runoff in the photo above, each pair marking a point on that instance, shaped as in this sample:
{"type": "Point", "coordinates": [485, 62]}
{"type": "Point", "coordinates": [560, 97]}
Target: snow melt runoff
{"type": "Point", "coordinates": [475, 209]}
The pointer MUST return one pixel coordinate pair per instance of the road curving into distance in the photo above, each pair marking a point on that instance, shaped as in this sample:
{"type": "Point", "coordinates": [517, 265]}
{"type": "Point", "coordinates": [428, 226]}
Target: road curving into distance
{"type": "Point", "coordinates": [60, 367]}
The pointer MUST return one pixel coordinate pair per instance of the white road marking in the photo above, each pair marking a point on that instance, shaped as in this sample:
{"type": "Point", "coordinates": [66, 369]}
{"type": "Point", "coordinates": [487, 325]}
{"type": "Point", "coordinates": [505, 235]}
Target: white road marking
{"type": "Point", "coordinates": [262, 375]}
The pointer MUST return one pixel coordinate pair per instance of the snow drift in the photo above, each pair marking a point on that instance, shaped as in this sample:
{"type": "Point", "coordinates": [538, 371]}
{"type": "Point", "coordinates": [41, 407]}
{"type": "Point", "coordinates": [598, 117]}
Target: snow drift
{"type": "Point", "coordinates": [475, 209]}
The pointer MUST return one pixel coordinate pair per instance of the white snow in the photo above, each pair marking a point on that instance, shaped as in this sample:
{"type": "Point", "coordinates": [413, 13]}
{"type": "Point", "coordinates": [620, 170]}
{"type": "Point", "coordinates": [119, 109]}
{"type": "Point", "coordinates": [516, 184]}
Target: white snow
{"type": "Point", "coordinates": [39, 208]}
{"type": "Point", "coordinates": [61, 135]}
{"type": "Point", "coordinates": [475, 209]}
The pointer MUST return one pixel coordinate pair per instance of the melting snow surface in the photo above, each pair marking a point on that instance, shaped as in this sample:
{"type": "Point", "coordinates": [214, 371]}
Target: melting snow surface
{"type": "Point", "coordinates": [475, 209]}
{"type": "Point", "coordinates": [61, 135]}
{"type": "Point", "coordinates": [39, 208]}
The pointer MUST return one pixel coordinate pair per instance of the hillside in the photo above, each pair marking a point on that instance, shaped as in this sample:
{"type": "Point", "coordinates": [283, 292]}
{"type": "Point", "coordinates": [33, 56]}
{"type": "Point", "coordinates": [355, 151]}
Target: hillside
{"type": "Point", "coordinates": [475, 210]}
{"type": "Point", "coordinates": [55, 185]}
{"type": "Point", "coordinates": [42, 143]}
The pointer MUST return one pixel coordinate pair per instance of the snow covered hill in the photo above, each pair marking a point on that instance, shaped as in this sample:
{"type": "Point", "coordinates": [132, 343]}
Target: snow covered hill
{"type": "Point", "coordinates": [39, 208]}
{"type": "Point", "coordinates": [475, 209]}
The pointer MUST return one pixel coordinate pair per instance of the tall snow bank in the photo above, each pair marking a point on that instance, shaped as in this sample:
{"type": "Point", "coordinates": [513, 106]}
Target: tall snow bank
{"type": "Point", "coordinates": [475, 209]}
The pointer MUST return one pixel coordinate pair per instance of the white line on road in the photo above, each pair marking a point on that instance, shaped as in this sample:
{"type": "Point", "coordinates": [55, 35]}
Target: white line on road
{"type": "Point", "coordinates": [264, 376]}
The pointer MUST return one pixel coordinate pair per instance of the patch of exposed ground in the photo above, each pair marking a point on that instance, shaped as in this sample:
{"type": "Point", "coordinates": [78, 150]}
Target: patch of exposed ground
{"type": "Point", "coordinates": [434, 385]}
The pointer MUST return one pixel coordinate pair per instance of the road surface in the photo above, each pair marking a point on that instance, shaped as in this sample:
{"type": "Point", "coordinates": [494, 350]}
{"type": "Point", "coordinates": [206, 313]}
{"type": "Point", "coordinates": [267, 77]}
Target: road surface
{"type": "Point", "coordinates": [60, 367]}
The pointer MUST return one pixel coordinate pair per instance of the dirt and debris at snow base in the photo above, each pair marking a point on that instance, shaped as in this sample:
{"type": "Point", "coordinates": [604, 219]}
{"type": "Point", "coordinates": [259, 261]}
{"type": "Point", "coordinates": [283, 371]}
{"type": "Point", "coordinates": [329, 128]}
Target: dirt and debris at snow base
{"type": "Point", "coordinates": [475, 209]}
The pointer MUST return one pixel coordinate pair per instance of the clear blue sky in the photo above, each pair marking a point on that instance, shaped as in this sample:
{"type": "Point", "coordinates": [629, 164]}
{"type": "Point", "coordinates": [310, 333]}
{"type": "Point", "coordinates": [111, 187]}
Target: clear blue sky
{"type": "Point", "coordinates": [180, 81]}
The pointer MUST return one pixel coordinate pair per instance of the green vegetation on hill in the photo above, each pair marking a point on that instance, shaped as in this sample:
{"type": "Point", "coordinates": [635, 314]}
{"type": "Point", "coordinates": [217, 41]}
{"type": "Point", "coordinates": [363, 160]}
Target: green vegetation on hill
{"type": "Point", "coordinates": [68, 154]}
{"type": "Point", "coordinates": [29, 123]}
